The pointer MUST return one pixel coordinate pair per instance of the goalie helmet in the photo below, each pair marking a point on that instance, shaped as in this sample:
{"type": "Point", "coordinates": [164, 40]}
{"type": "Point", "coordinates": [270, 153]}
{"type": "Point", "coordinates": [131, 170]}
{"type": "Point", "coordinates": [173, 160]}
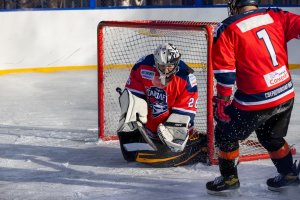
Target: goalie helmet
{"type": "Point", "coordinates": [234, 5]}
{"type": "Point", "coordinates": [166, 58]}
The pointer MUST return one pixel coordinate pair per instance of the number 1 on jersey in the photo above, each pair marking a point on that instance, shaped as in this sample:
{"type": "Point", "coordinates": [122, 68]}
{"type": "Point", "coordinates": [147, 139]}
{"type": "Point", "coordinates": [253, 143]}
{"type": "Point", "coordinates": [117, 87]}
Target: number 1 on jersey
{"type": "Point", "coordinates": [262, 34]}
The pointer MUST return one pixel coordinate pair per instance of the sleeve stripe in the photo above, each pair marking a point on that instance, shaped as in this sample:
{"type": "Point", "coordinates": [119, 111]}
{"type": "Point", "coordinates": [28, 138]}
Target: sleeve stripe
{"type": "Point", "coordinates": [184, 110]}
{"type": "Point", "coordinates": [226, 85]}
{"type": "Point", "coordinates": [224, 71]}
{"type": "Point", "coordinates": [226, 78]}
{"type": "Point", "coordinates": [136, 91]}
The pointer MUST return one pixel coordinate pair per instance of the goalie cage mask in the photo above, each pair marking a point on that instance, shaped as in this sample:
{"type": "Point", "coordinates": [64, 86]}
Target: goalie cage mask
{"type": "Point", "coordinates": [165, 55]}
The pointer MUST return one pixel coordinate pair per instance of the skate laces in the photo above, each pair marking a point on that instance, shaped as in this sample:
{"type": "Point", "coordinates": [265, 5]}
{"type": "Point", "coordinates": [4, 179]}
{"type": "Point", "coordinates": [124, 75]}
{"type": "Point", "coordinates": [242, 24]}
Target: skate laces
{"type": "Point", "coordinates": [293, 174]}
{"type": "Point", "coordinates": [278, 177]}
{"type": "Point", "coordinates": [218, 180]}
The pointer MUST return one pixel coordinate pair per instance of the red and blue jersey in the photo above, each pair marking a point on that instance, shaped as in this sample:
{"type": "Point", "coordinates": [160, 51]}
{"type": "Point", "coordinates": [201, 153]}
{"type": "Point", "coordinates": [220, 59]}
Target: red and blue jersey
{"type": "Point", "coordinates": [179, 96]}
{"type": "Point", "coordinates": [250, 50]}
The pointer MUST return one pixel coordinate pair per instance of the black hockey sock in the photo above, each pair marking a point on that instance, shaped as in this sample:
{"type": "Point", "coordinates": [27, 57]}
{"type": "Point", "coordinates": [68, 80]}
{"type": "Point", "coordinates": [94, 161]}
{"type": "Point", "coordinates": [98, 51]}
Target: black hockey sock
{"type": "Point", "coordinates": [284, 165]}
{"type": "Point", "coordinates": [228, 167]}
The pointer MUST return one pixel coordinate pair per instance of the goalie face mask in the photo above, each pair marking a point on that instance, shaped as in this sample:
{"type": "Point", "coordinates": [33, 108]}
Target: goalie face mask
{"type": "Point", "coordinates": [166, 58]}
{"type": "Point", "coordinates": [234, 5]}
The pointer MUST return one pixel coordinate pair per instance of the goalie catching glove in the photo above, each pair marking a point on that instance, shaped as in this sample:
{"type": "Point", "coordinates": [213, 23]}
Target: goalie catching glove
{"type": "Point", "coordinates": [133, 110]}
{"type": "Point", "coordinates": [174, 132]}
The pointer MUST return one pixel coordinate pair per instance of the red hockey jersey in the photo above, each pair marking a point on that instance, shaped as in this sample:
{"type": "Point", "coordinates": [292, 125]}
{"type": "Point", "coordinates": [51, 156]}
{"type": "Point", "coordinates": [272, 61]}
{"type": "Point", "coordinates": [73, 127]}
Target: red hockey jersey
{"type": "Point", "coordinates": [250, 50]}
{"type": "Point", "coordinates": [179, 96]}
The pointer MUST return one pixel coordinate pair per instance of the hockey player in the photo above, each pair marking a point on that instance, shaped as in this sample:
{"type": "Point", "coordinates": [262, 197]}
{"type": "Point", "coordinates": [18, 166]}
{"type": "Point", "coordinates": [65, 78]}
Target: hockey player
{"type": "Point", "coordinates": [158, 108]}
{"type": "Point", "coordinates": [250, 49]}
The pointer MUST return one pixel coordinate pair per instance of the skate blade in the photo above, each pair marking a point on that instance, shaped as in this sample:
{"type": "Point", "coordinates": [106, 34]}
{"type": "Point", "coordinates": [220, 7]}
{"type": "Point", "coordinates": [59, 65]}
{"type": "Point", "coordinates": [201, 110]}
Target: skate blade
{"type": "Point", "coordinates": [288, 189]}
{"type": "Point", "coordinates": [225, 193]}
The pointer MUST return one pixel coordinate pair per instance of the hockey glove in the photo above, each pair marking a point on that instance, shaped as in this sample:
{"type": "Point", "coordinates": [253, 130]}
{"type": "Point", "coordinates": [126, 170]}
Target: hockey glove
{"type": "Point", "coordinates": [220, 105]}
{"type": "Point", "coordinates": [134, 111]}
{"type": "Point", "coordinates": [174, 132]}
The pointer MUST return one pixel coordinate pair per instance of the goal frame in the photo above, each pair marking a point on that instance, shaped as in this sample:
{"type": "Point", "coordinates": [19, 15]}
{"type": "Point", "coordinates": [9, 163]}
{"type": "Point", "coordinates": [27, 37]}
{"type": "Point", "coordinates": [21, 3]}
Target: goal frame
{"type": "Point", "coordinates": [208, 26]}
{"type": "Point", "coordinates": [176, 25]}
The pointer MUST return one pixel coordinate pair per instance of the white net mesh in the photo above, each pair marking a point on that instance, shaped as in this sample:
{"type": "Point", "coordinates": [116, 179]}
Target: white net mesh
{"type": "Point", "coordinates": [124, 46]}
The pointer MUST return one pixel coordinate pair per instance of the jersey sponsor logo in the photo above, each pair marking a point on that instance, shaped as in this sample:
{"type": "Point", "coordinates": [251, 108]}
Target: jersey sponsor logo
{"type": "Point", "coordinates": [279, 90]}
{"type": "Point", "coordinates": [254, 22]}
{"type": "Point", "coordinates": [147, 74]}
{"type": "Point", "coordinates": [192, 80]}
{"type": "Point", "coordinates": [157, 99]}
{"type": "Point", "coordinates": [264, 97]}
{"type": "Point", "coordinates": [277, 76]}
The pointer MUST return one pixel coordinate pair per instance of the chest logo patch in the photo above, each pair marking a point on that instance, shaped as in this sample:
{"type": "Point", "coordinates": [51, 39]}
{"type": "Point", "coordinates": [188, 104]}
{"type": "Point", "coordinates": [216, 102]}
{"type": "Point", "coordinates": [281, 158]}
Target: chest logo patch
{"type": "Point", "coordinates": [157, 99]}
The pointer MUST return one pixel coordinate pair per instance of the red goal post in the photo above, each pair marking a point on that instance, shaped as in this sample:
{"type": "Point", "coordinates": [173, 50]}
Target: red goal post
{"type": "Point", "coordinates": [122, 43]}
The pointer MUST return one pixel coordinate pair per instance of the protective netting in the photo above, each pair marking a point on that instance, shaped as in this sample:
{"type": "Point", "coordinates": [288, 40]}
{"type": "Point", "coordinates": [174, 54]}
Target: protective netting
{"type": "Point", "coordinates": [123, 46]}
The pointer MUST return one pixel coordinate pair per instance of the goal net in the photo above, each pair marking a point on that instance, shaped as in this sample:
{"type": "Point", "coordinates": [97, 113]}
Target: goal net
{"type": "Point", "coordinates": [121, 44]}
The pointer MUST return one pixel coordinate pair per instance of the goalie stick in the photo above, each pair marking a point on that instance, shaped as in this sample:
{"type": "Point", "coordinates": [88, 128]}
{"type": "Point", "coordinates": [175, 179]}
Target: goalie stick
{"type": "Point", "coordinates": [141, 128]}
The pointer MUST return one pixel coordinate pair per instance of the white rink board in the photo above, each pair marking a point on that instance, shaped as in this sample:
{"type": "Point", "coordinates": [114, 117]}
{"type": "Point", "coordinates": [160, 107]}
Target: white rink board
{"type": "Point", "coordinates": [69, 37]}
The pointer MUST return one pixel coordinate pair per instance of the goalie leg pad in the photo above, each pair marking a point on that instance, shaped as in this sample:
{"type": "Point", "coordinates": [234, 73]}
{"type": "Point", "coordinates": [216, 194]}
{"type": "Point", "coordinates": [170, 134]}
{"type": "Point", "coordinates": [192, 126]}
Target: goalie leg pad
{"type": "Point", "coordinates": [127, 138]}
{"type": "Point", "coordinates": [194, 152]}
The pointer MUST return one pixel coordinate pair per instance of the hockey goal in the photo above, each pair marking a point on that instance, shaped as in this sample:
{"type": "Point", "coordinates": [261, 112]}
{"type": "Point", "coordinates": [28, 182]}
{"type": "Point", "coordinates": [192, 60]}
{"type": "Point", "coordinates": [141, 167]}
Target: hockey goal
{"type": "Point", "coordinates": [122, 43]}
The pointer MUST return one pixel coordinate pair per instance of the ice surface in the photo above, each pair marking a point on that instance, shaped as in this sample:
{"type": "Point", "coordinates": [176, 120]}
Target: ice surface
{"type": "Point", "coordinates": [49, 149]}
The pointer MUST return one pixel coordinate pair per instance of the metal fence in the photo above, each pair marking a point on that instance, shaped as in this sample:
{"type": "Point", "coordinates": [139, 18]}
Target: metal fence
{"type": "Point", "coordinates": [60, 4]}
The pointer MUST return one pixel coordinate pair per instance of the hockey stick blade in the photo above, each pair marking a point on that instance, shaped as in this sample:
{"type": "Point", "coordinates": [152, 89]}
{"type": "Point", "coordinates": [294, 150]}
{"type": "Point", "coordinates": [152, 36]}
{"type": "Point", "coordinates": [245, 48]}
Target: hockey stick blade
{"type": "Point", "coordinates": [146, 137]}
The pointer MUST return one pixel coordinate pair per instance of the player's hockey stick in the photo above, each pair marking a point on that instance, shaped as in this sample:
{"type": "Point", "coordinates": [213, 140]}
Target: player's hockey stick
{"type": "Point", "coordinates": [141, 128]}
